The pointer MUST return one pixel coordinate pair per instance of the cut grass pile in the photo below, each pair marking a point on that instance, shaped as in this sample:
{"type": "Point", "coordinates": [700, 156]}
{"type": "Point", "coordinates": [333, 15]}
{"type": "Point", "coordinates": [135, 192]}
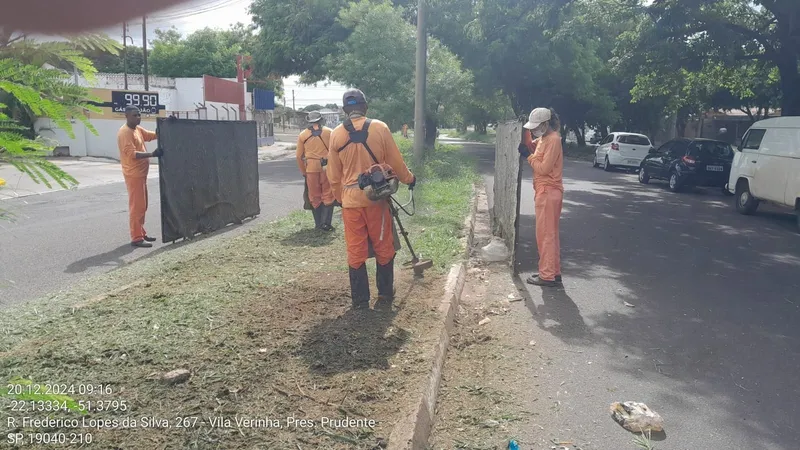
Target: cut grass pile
{"type": "Point", "coordinates": [263, 325]}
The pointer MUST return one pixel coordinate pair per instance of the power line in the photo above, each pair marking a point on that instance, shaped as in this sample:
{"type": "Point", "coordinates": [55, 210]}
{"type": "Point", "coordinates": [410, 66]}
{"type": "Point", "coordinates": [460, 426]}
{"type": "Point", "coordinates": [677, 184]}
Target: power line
{"type": "Point", "coordinates": [188, 13]}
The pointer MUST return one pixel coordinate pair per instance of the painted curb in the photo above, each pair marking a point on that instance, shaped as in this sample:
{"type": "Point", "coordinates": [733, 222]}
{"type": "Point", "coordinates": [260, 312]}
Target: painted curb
{"type": "Point", "coordinates": [413, 431]}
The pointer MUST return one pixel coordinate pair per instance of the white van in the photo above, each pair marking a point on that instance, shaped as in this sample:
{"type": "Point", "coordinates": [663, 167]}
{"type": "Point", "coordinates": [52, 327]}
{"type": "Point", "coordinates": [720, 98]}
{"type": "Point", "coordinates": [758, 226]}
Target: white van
{"type": "Point", "coordinates": [767, 166]}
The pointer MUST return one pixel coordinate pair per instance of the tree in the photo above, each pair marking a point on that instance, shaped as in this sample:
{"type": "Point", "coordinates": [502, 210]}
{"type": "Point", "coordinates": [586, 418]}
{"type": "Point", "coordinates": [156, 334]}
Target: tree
{"type": "Point", "coordinates": [106, 62]}
{"type": "Point", "coordinates": [208, 52]}
{"type": "Point", "coordinates": [312, 108]}
{"type": "Point", "coordinates": [204, 52]}
{"type": "Point", "coordinates": [33, 83]}
{"type": "Point", "coordinates": [379, 58]}
{"type": "Point", "coordinates": [733, 31]}
{"type": "Point", "coordinates": [295, 36]}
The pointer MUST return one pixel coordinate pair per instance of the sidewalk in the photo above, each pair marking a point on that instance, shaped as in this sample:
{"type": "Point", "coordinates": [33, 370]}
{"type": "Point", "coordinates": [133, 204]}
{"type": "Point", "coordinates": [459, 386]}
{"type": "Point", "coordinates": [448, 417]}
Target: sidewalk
{"type": "Point", "coordinates": [91, 171]}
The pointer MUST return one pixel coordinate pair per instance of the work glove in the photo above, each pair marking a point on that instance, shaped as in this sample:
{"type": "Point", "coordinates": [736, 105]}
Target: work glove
{"type": "Point", "coordinates": [523, 151]}
{"type": "Point", "coordinates": [412, 184]}
{"type": "Point", "coordinates": [172, 118]}
{"type": "Point", "coordinates": [158, 153]}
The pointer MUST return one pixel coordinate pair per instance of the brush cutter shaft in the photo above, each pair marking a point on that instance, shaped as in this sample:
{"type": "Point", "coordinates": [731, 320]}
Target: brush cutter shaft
{"type": "Point", "coordinates": [396, 215]}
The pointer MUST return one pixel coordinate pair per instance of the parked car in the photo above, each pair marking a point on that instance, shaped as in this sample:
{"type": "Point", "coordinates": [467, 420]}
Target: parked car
{"type": "Point", "coordinates": [767, 166]}
{"type": "Point", "coordinates": [689, 162]}
{"type": "Point", "coordinates": [622, 150]}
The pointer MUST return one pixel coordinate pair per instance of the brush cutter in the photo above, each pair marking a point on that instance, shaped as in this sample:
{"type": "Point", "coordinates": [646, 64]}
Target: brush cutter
{"type": "Point", "coordinates": [418, 265]}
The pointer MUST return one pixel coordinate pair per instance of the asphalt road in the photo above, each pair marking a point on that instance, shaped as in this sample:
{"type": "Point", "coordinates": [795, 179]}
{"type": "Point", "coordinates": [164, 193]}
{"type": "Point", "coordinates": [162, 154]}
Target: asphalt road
{"type": "Point", "coordinates": [62, 238]}
{"type": "Point", "coordinates": [711, 340]}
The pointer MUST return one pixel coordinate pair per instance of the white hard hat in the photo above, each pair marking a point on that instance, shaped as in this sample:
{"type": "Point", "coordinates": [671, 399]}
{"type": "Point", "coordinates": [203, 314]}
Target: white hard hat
{"type": "Point", "coordinates": [537, 117]}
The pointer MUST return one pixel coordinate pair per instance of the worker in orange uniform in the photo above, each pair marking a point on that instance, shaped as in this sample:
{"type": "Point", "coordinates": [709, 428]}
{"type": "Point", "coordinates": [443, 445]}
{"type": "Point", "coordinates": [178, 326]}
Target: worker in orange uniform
{"type": "Point", "coordinates": [312, 154]}
{"type": "Point", "coordinates": [405, 130]}
{"type": "Point", "coordinates": [135, 166]}
{"type": "Point", "coordinates": [357, 145]}
{"type": "Point", "coordinates": [546, 157]}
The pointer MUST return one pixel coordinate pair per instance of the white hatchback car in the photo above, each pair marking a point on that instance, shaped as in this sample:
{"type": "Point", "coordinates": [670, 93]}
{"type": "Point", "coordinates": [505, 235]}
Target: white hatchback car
{"type": "Point", "coordinates": [626, 150]}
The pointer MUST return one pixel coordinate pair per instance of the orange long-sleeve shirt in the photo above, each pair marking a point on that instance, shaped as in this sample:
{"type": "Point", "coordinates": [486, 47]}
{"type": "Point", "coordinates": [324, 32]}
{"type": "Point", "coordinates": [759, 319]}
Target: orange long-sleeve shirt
{"type": "Point", "coordinates": [548, 162]}
{"type": "Point", "coordinates": [129, 142]}
{"type": "Point", "coordinates": [345, 166]}
{"type": "Point", "coordinates": [313, 148]}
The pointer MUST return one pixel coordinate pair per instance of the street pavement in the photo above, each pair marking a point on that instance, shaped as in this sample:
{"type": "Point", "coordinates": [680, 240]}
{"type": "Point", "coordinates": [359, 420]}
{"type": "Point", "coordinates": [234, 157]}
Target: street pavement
{"type": "Point", "coordinates": [709, 335]}
{"type": "Point", "coordinates": [63, 237]}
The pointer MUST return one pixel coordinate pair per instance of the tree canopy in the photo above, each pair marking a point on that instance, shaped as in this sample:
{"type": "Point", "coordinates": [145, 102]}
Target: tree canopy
{"type": "Point", "coordinates": [36, 81]}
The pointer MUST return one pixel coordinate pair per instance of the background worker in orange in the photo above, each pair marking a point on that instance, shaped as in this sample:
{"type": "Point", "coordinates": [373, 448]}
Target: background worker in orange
{"type": "Point", "coordinates": [135, 167]}
{"type": "Point", "coordinates": [365, 221]}
{"type": "Point", "coordinates": [547, 161]}
{"type": "Point", "coordinates": [405, 130]}
{"type": "Point", "coordinates": [312, 154]}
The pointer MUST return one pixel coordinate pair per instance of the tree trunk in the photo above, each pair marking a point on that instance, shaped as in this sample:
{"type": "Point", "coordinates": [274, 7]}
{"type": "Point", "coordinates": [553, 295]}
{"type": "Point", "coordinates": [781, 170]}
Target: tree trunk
{"type": "Point", "coordinates": [580, 134]}
{"type": "Point", "coordinates": [430, 132]}
{"type": "Point", "coordinates": [790, 86]}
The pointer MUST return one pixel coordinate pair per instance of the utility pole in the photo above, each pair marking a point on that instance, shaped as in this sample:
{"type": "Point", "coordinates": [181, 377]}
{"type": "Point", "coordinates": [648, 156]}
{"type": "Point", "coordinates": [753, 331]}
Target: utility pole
{"type": "Point", "coordinates": [125, 52]}
{"type": "Point", "coordinates": [284, 112]}
{"type": "Point", "coordinates": [419, 90]}
{"type": "Point", "coordinates": [144, 49]}
{"type": "Point", "coordinates": [293, 108]}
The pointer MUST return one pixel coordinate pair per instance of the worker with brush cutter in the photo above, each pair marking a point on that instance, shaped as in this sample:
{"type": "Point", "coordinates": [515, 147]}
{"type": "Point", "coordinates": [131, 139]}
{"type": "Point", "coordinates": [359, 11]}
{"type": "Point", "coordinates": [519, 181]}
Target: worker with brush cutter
{"type": "Point", "coordinates": [312, 157]}
{"type": "Point", "coordinates": [364, 168]}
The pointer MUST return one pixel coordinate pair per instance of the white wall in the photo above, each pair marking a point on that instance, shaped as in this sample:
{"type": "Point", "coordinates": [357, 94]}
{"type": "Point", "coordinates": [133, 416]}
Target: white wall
{"type": "Point", "coordinates": [103, 145]}
{"type": "Point", "coordinates": [176, 94]}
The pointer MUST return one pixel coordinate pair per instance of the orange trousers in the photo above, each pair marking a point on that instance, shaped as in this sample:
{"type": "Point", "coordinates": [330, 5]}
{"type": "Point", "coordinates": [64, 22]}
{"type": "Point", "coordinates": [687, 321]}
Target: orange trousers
{"type": "Point", "coordinates": [373, 223]}
{"type": "Point", "coordinates": [548, 213]}
{"type": "Point", "coordinates": [137, 206]}
{"type": "Point", "coordinates": [319, 189]}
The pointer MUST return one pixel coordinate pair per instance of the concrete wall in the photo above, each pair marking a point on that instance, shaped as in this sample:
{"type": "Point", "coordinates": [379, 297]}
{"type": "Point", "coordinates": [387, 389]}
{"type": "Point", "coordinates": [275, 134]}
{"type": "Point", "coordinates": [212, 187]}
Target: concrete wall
{"type": "Point", "coordinates": [178, 95]}
{"type": "Point", "coordinates": [505, 211]}
{"type": "Point", "coordinates": [102, 145]}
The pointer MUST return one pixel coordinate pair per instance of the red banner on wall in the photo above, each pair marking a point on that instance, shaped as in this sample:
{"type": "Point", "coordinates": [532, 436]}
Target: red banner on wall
{"type": "Point", "coordinates": [223, 91]}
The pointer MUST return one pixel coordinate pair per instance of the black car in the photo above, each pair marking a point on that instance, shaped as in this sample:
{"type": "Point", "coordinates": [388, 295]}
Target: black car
{"type": "Point", "coordinates": [689, 162]}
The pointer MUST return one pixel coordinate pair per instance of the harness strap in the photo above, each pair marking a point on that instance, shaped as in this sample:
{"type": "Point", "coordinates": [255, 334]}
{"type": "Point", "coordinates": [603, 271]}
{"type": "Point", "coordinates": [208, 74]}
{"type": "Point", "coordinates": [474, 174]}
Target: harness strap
{"type": "Point", "coordinates": [358, 137]}
{"type": "Point", "coordinates": [316, 133]}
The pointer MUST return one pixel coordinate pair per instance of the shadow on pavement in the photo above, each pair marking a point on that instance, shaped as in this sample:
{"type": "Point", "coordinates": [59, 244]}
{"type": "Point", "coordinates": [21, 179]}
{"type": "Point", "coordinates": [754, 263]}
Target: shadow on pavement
{"type": "Point", "coordinates": [280, 171]}
{"type": "Point", "coordinates": [560, 315]}
{"type": "Point", "coordinates": [110, 258]}
{"type": "Point", "coordinates": [714, 295]}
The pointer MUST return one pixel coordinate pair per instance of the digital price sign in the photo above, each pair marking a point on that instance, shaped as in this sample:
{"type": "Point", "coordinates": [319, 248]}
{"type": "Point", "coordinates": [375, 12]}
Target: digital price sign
{"type": "Point", "coordinates": [146, 102]}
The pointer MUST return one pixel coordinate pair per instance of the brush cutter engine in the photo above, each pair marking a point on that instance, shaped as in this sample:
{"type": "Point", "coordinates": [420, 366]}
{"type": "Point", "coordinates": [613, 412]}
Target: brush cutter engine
{"type": "Point", "coordinates": [379, 182]}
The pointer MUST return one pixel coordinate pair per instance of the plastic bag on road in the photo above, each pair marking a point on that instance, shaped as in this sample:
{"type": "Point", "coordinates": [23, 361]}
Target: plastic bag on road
{"type": "Point", "coordinates": [495, 251]}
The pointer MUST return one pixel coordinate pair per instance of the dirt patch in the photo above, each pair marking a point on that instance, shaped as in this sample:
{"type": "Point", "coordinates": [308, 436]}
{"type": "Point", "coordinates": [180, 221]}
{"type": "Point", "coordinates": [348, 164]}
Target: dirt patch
{"type": "Point", "coordinates": [264, 326]}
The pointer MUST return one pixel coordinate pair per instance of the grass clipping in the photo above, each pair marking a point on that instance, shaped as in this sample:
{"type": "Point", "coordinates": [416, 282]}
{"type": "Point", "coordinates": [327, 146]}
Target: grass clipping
{"type": "Point", "coordinates": [263, 326]}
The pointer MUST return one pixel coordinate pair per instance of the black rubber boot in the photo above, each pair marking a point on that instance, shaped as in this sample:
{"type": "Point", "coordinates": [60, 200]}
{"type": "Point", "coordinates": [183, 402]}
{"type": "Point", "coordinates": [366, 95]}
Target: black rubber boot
{"type": "Point", "coordinates": [359, 287]}
{"type": "Point", "coordinates": [318, 216]}
{"type": "Point", "coordinates": [384, 277]}
{"type": "Point", "coordinates": [327, 217]}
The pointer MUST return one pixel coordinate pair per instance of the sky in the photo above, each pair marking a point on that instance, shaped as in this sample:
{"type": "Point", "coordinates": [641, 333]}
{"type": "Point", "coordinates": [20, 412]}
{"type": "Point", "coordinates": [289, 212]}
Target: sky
{"type": "Point", "coordinates": [198, 14]}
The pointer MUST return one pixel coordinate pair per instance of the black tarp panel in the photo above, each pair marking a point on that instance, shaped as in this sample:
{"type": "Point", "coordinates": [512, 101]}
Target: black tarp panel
{"type": "Point", "coordinates": [208, 175]}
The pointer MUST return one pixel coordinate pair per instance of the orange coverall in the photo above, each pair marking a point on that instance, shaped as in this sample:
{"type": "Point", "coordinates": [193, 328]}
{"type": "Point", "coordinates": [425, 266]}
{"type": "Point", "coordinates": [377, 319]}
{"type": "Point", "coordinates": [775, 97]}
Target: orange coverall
{"type": "Point", "coordinates": [313, 148]}
{"type": "Point", "coordinates": [547, 161]}
{"type": "Point", "coordinates": [135, 173]}
{"type": "Point", "coordinates": [363, 218]}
